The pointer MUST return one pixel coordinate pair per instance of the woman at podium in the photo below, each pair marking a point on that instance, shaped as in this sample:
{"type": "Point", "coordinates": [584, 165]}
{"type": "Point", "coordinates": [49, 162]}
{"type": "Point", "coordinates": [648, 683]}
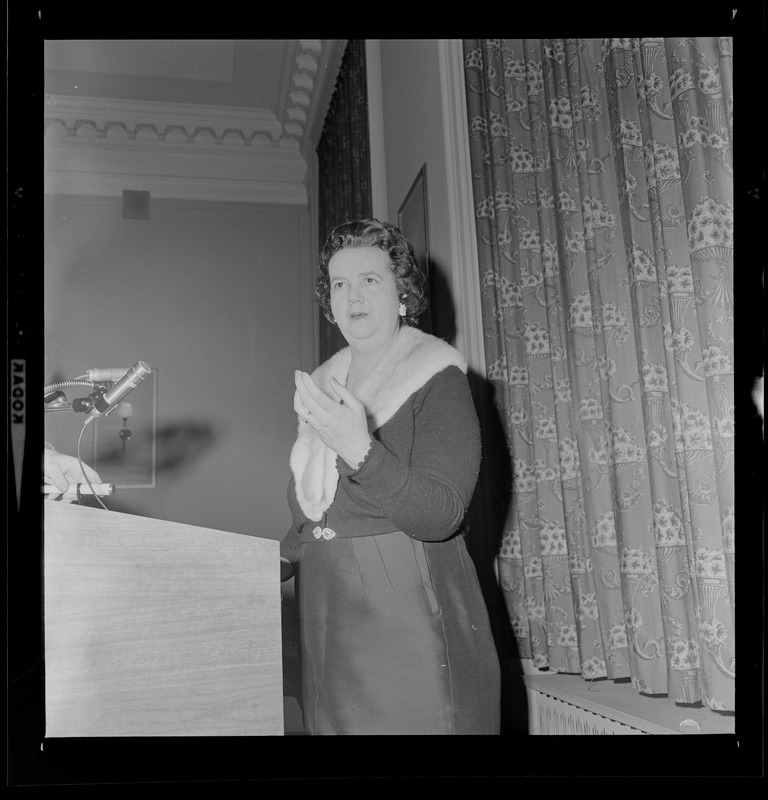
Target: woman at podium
{"type": "Point", "coordinates": [395, 636]}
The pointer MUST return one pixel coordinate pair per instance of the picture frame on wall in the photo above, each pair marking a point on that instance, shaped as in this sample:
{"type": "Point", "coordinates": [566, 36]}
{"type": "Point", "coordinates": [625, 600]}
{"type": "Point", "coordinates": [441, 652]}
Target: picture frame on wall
{"type": "Point", "coordinates": [413, 221]}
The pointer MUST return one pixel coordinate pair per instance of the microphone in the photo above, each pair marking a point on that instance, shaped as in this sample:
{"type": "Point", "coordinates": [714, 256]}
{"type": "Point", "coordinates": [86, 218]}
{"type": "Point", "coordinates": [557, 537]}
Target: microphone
{"type": "Point", "coordinates": [111, 374]}
{"type": "Point", "coordinates": [111, 398]}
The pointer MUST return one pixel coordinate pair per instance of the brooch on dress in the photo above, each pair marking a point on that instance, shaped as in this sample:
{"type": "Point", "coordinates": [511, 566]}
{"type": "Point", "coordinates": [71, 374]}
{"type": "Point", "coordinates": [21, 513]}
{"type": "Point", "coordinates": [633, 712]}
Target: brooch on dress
{"type": "Point", "coordinates": [325, 533]}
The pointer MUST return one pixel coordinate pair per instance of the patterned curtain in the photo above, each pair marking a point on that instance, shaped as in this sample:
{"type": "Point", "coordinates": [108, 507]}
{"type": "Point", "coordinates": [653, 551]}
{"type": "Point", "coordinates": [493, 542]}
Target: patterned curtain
{"type": "Point", "coordinates": [603, 181]}
{"type": "Point", "coordinates": [344, 163]}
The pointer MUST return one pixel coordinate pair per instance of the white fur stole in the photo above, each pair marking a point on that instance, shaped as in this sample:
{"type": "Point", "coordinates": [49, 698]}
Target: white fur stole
{"type": "Point", "coordinates": [413, 359]}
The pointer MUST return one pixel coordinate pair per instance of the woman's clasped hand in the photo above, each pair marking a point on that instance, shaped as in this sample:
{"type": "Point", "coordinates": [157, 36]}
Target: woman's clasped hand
{"type": "Point", "coordinates": [340, 423]}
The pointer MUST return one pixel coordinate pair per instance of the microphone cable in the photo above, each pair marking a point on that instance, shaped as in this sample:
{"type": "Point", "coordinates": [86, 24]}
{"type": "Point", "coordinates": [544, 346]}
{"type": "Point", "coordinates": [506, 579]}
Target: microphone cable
{"type": "Point", "coordinates": [82, 467]}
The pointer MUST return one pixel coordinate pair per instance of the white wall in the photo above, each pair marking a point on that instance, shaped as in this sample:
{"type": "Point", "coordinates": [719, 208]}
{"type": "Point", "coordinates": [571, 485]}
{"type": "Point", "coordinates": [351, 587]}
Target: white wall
{"type": "Point", "coordinates": [418, 116]}
{"type": "Point", "coordinates": [413, 135]}
{"type": "Point", "coordinates": [215, 297]}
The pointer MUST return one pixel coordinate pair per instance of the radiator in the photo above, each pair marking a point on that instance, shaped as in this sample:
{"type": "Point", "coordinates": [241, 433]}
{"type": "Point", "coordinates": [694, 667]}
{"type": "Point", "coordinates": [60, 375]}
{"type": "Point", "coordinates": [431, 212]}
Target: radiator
{"type": "Point", "coordinates": [567, 705]}
{"type": "Point", "coordinates": [550, 716]}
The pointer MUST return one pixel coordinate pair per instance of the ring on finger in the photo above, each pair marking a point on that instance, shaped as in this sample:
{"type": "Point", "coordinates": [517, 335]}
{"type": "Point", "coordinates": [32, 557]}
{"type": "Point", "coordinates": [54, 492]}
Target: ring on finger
{"type": "Point", "coordinates": [306, 417]}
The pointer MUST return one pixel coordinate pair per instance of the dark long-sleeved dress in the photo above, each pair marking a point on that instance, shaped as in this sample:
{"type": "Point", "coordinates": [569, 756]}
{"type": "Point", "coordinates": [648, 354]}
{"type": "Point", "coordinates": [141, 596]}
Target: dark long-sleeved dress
{"type": "Point", "coordinates": [395, 637]}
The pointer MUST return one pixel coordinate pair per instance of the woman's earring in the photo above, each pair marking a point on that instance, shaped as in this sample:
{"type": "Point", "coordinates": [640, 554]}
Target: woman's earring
{"type": "Point", "coordinates": [402, 310]}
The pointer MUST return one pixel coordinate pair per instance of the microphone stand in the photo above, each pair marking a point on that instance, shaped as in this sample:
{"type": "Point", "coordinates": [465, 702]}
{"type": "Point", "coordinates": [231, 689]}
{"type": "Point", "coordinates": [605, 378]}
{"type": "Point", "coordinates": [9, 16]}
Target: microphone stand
{"type": "Point", "coordinates": [95, 405]}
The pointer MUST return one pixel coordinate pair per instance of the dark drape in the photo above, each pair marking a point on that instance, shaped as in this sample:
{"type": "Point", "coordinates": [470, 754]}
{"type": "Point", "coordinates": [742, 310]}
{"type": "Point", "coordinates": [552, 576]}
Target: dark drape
{"type": "Point", "coordinates": [344, 163]}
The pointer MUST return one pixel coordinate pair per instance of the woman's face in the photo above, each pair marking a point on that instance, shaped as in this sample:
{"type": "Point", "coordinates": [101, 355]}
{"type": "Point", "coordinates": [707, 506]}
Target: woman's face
{"type": "Point", "coordinates": [364, 297]}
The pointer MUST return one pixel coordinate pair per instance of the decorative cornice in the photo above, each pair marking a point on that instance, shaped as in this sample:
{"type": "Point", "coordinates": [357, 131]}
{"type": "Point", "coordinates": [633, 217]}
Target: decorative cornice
{"type": "Point", "coordinates": [102, 168]}
{"type": "Point", "coordinates": [211, 152]}
{"type": "Point", "coordinates": [303, 82]}
{"type": "Point", "coordinates": [88, 118]}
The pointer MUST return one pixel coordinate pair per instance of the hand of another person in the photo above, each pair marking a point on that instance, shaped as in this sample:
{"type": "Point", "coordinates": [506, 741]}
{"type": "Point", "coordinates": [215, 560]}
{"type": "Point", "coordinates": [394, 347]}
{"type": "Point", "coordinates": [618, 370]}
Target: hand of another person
{"type": "Point", "coordinates": [340, 425]}
{"type": "Point", "coordinates": [61, 470]}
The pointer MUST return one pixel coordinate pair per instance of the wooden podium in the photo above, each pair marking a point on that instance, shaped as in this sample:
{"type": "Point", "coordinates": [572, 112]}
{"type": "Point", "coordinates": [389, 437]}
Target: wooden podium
{"type": "Point", "coordinates": [156, 628]}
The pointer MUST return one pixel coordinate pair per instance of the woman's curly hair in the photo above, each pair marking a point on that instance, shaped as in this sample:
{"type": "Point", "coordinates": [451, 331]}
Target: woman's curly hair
{"type": "Point", "coordinates": [410, 280]}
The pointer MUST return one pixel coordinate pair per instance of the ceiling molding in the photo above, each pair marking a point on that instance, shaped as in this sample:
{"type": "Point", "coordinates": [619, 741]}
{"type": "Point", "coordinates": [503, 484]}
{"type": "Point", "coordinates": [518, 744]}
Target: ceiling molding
{"type": "Point", "coordinates": [203, 171]}
{"type": "Point", "coordinates": [217, 190]}
{"type": "Point", "coordinates": [100, 145]}
{"type": "Point", "coordinates": [298, 102]}
{"type": "Point", "coordinates": [89, 118]}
